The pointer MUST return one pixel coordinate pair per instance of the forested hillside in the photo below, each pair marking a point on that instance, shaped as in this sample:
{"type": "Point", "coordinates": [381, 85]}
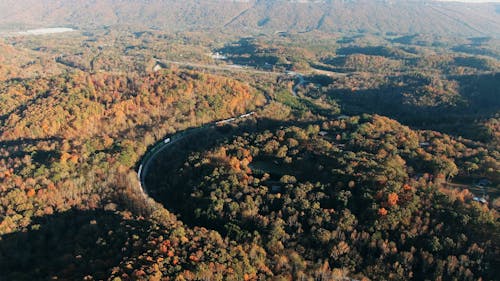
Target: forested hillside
{"type": "Point", "coordinates": [253, 16]}
{"type": "Point", "coordinates": [358, 194]}
{"type": "Point", "coordinates": [25, 63]}
{"type": "Point", "coordinates": [249, 140]}
{"type": "Point", "coordinates": [65, 139]}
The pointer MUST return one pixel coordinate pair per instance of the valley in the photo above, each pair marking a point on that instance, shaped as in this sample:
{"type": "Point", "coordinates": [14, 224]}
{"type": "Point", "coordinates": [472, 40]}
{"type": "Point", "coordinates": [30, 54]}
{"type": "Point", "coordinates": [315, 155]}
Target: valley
{"type": "Point", "coordinates": [249, 140]}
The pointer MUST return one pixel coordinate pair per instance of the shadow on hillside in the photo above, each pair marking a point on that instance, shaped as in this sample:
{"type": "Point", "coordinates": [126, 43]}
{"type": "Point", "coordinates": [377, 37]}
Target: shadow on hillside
{"type": "Point", "coordinates": [68, 246]}
{"type": "Point", "coordinates": [165, 189]}
{"type": "Point", "coordinates": [195, 139]}
{"type": "Point", "coordinates": [27, 141]}
{"type": "Point", "coordinates": [18, 149]}
{"type": "Point", "coordinates": [24, 106]}
{"type": "Point", "coordinates": [479, 101]}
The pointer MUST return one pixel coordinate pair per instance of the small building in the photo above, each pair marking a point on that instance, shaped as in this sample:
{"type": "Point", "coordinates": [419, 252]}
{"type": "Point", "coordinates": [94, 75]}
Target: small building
{"type": "Point", "coordinates": [218, 56]}
{"type": "Point", "coordinates": [424, 144]}
{"type": "Point", "coordinates": [481, 200]}
{"type": "Point", "coordinates": [157, 67]}
{"type": "Point", "coordinates": [267, 66]}
{"type": "Point", "coordinates": [323, 133]}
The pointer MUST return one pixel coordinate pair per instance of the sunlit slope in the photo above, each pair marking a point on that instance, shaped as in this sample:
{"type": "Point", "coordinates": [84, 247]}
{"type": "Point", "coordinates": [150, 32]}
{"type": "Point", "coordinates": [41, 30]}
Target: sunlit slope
{"type": "Point", "coordinates": [257, 16]}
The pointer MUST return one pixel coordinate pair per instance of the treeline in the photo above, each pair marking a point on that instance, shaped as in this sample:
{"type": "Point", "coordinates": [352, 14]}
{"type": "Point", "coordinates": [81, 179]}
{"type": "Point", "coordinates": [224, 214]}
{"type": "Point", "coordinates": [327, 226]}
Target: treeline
{"type": "Point", "coordinates": [435, 63]}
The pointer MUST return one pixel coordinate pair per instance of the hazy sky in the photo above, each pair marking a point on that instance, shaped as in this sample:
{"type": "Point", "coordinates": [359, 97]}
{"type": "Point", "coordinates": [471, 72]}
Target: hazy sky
{"type": "Point", "coordinates": [472, 1]}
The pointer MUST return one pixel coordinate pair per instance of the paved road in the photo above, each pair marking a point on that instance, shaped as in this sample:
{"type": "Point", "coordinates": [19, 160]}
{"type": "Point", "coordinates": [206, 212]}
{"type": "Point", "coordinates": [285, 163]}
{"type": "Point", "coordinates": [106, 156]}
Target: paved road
{"type": "Point", "coordinates": [229, 67]}
{"type": "Point", "coordinates": [161, 146]}
{"type": "Point", "coordinates": [153, 152]}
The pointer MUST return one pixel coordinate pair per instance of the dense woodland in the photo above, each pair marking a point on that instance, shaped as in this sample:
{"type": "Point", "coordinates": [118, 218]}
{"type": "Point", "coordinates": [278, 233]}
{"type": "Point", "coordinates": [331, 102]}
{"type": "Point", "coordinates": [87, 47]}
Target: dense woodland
{"type": "Point", "coordinates": [364, 198]}
{"type": "Point", "coordinates": [64, 139]}
{"type": "Point", "coordinates": [362, 158]}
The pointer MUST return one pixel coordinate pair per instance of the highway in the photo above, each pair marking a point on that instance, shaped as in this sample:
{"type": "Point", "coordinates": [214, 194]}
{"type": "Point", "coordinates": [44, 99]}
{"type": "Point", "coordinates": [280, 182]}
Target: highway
{"type": "Point", "coordinates": [227, 67]}
{"type": "Point", "coordinates": [161, 146]}
{"type": "Point", "coordinates": [167, 142]}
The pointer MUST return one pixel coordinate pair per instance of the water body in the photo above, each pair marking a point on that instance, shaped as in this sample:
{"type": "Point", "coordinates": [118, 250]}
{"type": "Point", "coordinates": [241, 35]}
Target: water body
{"type": "Point", "coordinates": [43, 31]}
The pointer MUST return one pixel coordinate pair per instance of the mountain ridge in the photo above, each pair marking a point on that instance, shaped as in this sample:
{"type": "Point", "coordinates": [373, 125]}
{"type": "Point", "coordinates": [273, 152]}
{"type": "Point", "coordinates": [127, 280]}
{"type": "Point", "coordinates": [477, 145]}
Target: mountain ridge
{"type": "Point", "coordinates": [257, 16]}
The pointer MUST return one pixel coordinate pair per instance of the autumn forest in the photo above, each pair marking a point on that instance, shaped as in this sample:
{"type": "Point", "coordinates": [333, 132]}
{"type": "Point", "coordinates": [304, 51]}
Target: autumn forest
{"type": "Point", "coordinates": [133, 152]}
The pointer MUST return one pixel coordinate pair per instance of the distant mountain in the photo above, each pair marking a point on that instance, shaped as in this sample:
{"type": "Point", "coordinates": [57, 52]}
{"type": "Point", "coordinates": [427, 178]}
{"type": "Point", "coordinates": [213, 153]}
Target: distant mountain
{"type": "Point", "coordinates": [251, 16]}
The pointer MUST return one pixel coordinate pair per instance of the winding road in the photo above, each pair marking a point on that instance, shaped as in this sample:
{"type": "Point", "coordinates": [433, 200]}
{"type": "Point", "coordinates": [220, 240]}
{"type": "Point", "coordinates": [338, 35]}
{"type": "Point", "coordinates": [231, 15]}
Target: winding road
{"type": "Point", "coordinates": [161, 146]}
